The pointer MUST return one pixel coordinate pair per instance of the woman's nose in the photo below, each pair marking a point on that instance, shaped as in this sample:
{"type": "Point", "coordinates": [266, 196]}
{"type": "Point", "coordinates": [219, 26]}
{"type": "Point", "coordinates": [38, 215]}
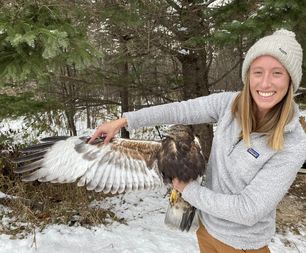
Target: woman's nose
{"type": "Point", "coordinates": [266, 81]}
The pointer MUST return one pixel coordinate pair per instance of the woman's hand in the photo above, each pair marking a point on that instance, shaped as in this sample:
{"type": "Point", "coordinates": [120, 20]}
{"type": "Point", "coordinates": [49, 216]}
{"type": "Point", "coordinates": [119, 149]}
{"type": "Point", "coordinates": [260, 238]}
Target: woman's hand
{"type": "Point", "coordinates": [178, 185]}
{"type": "Point", "coordinates": [109, 129]}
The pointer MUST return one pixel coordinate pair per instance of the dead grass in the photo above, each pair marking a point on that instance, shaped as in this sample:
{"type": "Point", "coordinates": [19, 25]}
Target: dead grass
{"type": "Point", "coordinates": [36, 205]}
{"type": "Point", "coordinates": [291, 215]}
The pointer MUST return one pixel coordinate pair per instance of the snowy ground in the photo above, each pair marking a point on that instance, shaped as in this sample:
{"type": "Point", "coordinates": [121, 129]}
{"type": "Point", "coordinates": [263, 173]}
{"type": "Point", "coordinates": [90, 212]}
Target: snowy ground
{"type": "Point", "coordinates": [144, 232]}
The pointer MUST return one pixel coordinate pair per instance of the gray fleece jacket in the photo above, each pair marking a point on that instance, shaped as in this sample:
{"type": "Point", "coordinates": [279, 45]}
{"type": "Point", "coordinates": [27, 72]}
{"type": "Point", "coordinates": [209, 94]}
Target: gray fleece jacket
{"type": "Point", "coordinates": [243, 185]}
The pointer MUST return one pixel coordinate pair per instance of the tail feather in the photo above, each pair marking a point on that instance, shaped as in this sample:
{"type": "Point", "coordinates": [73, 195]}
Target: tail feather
{"type": "Point", "coordinates": [187, 219]}
{"type": "Point", "coordinates": [182, 216]}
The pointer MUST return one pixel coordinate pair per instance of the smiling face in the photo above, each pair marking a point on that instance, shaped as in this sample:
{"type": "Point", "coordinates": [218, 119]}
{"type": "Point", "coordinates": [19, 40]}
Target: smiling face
{"type": "Point", "coordinates": [269, 82]}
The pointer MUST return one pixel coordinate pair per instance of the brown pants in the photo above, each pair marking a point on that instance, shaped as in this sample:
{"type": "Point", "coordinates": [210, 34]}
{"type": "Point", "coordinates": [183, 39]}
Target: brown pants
{"type": "Point", "coordinates": [209, 244]}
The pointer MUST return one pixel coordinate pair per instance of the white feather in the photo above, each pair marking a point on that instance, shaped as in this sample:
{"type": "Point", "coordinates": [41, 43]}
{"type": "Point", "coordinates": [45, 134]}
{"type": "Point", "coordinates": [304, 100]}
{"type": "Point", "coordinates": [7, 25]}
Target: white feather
{"type": "Point", "coordinates": [134, 170]}
{"type": "Point", "coordinates": [116, 182]}
{"type": "Point", "coordinates": [122, 176]}
{"type": "Point", "coordinates": [149, 182]}
{"type": "Point", "coordinates": [129, 178]}
{"type": "Point", "coordinates": [103, 181]}
{"type": "Point", "coordinates": [157, 178]}
{"type": "Point", "coordinates": [114, 164]}
{"type": "Point", "coordinates": [110, 179]}
{"type": "Point", "coordinates": [140, 172]}
{"type": "Point", "coordinates": [99, 171]}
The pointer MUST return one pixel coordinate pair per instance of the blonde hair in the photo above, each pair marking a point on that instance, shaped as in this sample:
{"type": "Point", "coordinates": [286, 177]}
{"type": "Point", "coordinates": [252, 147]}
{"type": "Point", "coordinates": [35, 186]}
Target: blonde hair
{"type": "Point", "coordinates": [274, 122]}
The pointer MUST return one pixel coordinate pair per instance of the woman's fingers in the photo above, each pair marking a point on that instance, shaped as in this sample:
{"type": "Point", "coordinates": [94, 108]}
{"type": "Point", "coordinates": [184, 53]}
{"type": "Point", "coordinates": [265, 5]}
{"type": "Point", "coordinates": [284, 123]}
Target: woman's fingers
{"type": "Point", "coordinates": [178, 185]}
{"type": "Point", "coordinates": [96, 134]}
{"type": "Point", "coordinates": [108, 138]}
{"type": "Point", "coordinates": [109, 129]}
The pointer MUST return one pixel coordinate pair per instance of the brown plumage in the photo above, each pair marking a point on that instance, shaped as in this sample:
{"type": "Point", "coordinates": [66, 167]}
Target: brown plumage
{"type": "Point", "coordinates": [120, 166]}
{"type": "Point", "coordinates": [180, 156]}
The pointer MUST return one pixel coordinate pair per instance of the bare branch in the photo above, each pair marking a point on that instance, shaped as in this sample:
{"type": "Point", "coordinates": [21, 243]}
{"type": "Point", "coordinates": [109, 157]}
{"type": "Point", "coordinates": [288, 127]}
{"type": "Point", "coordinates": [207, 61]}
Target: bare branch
{"type": "Point", "coordinates": [225, 74]}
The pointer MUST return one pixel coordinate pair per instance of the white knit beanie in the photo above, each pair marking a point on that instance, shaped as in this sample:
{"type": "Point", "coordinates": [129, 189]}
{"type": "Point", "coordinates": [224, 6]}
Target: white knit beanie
{"type": "Point", "coordinates": [283, 46]}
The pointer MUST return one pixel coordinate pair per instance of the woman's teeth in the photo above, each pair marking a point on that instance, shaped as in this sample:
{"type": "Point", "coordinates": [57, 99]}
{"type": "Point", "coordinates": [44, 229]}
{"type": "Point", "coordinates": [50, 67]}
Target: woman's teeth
{"type": "Point", "coordinates": [266, 94]}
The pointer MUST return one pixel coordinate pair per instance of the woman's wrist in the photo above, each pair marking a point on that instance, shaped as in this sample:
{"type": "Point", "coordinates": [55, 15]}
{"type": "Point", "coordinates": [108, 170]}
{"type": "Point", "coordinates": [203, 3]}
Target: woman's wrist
{"type": "Point", "coordinates": [123, 122]}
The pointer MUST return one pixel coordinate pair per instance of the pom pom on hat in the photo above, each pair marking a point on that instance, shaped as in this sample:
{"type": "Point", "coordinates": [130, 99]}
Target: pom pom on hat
{"type": "Point", "coordinates": [283, 46]}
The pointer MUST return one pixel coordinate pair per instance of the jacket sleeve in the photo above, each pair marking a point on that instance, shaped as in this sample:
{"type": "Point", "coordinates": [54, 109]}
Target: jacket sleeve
{"type": "Point", "coordinates": [258, 198]}
{"type": "Point", "coordinates": [205, 109]}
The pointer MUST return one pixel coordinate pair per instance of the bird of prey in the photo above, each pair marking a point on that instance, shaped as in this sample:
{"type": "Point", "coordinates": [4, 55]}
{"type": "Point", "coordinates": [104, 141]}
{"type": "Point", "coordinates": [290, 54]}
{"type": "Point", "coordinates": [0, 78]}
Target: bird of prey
{"type": "Point", "coordinates": [122, 165]}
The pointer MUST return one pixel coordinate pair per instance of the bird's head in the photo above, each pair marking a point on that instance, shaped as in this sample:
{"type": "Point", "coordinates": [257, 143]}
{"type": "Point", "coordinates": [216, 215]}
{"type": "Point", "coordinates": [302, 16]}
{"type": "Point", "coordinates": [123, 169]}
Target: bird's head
{"type": "Point", "coordinates": [180, 155]}
{"type": "Point", "coordinates": [180, 133]}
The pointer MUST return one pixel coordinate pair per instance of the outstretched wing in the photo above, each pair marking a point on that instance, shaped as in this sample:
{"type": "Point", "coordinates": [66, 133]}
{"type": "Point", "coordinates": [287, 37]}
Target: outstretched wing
{"type": "Point", "coordinates": [122, 165]}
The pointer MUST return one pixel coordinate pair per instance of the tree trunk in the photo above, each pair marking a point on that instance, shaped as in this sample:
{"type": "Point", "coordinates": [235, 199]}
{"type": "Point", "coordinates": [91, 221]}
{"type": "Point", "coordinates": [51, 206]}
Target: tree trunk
{"type": "Point", "coordinates": [195, 76]}
{"type": "Point", "coordinates": [124, 92]}
{"type": "Point", "coordinates": [71, 124]}
{"type": "Point", "coordinates": [88, 120]}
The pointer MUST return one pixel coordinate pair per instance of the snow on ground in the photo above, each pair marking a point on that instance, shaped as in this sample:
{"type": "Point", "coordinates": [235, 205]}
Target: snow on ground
{"type": "Point", "coordinates": [144, 232]}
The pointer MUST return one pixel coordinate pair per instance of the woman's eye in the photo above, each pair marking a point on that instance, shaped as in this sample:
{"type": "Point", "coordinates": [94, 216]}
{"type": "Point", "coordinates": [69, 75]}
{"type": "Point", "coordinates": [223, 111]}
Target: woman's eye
{"type": "Point", "coordinates": [257, 72]}
{"type": "Point", "coordinates": [277, 73]}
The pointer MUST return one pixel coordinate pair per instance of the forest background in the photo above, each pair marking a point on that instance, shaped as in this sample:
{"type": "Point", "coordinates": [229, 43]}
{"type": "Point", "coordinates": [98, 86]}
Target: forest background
{"type": "Point", "coordinates": [63, 59]}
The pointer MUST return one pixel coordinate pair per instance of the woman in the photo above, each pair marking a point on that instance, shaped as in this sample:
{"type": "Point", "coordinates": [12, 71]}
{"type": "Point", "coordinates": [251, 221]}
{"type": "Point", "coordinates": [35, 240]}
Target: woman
{"type": "Point", "coordinates": [258, 147]}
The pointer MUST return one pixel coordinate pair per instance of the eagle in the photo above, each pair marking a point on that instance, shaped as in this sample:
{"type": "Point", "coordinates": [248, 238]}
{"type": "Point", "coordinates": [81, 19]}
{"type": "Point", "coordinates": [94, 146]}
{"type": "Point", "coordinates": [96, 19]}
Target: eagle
{"type": "Point", "coordinates": [122, 165]}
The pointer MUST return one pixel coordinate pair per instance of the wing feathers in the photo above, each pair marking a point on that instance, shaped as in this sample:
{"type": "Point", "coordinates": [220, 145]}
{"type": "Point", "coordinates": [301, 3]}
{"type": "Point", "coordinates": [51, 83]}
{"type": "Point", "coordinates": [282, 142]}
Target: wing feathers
{"type": "Point", "coordinates": [30, 157]}
{"type": "Point", "coordinates": [29, 167]}
{"type": "Point", "coordinates": [129, 179]}
{"type": "Point", "coordinates": [116, 182]}
{"type": "Point", "coordinates": [140, 175]}
{"type": "Point", "coordinates": [123, 176]}
{"type": "Point", "coordinates": [110, 180]}
{"type": "Point", "coordinates": [54, 138]}
{"type": "Point", "coordinates": [123, 165]}
{"type": "Point", "coordinates": [37, 147]}
{"type": "Point", "coordinates": [134, 176]}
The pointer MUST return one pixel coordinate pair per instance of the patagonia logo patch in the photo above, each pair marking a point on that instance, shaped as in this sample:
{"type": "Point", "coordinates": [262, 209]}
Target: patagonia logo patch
{"type": "Point", "coordinates": [282, 50]}
{"type": "Point", "coordinates": [253, 152]}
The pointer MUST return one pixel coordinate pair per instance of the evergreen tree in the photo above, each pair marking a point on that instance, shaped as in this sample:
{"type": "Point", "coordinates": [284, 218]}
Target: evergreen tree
{"type": "Point", "coordinates": [38, 39]}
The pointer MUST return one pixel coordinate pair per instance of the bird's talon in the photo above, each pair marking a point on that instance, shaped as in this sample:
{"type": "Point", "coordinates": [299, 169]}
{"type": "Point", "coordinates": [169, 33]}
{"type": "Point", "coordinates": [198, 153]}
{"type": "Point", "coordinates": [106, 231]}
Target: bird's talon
{"type": "Point", "coordinates": [173, 197]}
